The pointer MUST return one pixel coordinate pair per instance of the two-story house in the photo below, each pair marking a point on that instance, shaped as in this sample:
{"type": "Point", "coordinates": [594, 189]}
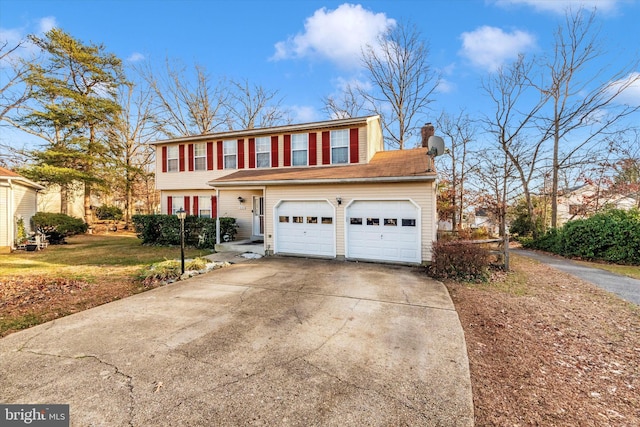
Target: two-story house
{"type": "Point", "coordinates": [325, 189]}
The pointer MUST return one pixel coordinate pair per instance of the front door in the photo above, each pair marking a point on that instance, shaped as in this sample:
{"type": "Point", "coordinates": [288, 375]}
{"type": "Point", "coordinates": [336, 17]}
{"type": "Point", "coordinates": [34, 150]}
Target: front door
{"type": "Point", "coordinates": [258, 216]}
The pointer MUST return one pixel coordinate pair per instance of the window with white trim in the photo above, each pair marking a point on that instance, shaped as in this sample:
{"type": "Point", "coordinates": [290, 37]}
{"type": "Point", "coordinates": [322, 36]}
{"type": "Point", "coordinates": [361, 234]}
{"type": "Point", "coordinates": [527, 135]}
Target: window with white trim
{"type": "Point", "coordinates": [263, 152]}
{"type": "Point", "coordinates": [172, 158]}
{"type": "Point", "coordinates": [177, 203]}
{"type": "Point", "coordinates": [299, 147]}
{"type": "Point", "coordinates": [204, 207]}
{"type": "Point", "coordinates": [339, 146]}
{"type": "Point", "coordinates": [230, 154]}
{"type": "Point", "coordinates": [200, 157]}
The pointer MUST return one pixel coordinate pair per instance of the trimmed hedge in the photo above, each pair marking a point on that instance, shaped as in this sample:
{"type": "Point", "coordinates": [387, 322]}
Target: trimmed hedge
{"type": "Point", "coordinates": [460, 261]}
{"type": "Point", "coordinates": [57, 226]}
{"type": "Point", "coordinates": [164, 230]}
{"type": "Point", "coordinates": [612, 236]}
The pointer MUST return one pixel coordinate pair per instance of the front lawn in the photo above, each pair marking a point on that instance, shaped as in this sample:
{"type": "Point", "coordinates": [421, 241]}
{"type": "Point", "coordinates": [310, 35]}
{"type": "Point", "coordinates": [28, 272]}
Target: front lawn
{"type": "Point", "coordinates": [90, 270]}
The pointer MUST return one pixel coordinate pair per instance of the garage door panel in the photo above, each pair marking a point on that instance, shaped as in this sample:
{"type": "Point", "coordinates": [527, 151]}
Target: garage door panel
{"type": "Point", "coordinates": [305, 228]}
{"type": "Point", "coordinates": [383, 230]}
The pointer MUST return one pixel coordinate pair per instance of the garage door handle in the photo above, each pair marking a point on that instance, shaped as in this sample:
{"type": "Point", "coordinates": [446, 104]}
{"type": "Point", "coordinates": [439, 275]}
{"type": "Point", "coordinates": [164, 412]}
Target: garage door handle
{"type": "Point", "coordinates": [381, 236]}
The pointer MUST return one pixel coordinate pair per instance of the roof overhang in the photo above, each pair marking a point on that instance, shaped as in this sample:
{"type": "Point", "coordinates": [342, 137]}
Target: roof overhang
{"type": "Point", "coordinates": [384, 179]}
{"type": "Point", "coordinates": [270, 130]}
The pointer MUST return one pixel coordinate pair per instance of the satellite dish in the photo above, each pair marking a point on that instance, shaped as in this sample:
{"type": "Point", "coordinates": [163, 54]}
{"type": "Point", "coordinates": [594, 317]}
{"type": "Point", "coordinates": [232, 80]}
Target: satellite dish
{"type": "Point", "coordinates": [436, 146]}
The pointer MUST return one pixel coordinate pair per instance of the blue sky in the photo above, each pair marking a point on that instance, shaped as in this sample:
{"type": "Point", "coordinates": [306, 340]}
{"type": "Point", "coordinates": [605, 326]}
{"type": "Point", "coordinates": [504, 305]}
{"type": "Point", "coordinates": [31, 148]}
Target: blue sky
{"type": "Point", "coordinates": [307, 49]}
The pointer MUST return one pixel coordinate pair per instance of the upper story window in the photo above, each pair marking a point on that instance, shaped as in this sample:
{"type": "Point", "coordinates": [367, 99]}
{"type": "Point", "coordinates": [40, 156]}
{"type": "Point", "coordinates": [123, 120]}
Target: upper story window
{"type": "Point", "coordinates": [200, 157]}
{"type": "Point", "coordinates": [263, 152]}
{"type": "Point", "coordinates": [299, 147]}
{"type": "Point", "coordinates": [339, 146]}
{"type": "Point", "coordinates": [230, 154]}
{"type": "Point", "coordinates": [172, 158]}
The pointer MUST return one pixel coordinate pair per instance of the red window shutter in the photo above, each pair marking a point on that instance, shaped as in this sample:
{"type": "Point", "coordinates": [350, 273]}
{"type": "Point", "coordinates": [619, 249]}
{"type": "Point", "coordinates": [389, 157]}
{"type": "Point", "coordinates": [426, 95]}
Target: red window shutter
{"type": "Point", "coordinates": [313, 148]}
{"type": "Point", "coordinates": [274, 151]}
{"type": "Point", "coordinates": [214, 207]}
{"type": "Point", "coordinates": [190, 151]}
{"type": "Point", "coordinates": [196, 210]}
{"type": "Point", "coordinates": [326, 148]}
{"type": "Point", "coordinates": [241, 154]}
{"type": "Point", "coordinates": [353, 145]}
{"type": "Point", "coordinates": [181, 157]}
{"type": "Point", "coordinates": [252, 153]}
{"type": "Point", "coordinates": [164, 158]}
{"type": "Point", "coordinates": [287, 150]}
{"type": "Point", "coordinates": [209, 156]}
{"type": "Point", "coordinates": [220, 157]}
{"type": "Point", "coordinates": [169, 205]}
{"type": "Point", "coordinates": [187, 205]}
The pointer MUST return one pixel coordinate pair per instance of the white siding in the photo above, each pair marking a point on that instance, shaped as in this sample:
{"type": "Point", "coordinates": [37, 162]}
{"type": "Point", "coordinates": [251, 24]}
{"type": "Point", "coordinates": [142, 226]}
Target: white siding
{"type": "Point", "coordinates": [229, 206]}
{"type": "Point", "coordinates": [421, 193]}
{"type": "Point", "coordinates": [5, 222]}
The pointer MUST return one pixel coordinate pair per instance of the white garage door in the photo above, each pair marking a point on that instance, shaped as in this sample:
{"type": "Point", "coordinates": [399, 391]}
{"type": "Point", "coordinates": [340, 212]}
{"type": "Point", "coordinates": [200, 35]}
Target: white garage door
{"type": "Point", "coordinates": [305, 228]}
{"type": "Point", "coordinates": [385, 230]}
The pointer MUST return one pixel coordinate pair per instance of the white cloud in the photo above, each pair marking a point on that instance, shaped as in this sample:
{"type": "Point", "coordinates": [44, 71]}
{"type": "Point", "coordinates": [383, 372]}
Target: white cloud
{"type": "Point", "coordinates": [337, 35]}
{"type": "Point", "coordinates": [46, 24]}
{"type": "Point", "coordinates": [303, 114]}
{"type": "Point", "coordinates": [629, 95]}
{"type": "Point", "coordinates": [445, 86]}
{"type": "Point", "coordinates": [561, 6]}
{"type": "Point", "coordinates": [136, 57]}
{"type": "Point", "coordinates": [490, 47]}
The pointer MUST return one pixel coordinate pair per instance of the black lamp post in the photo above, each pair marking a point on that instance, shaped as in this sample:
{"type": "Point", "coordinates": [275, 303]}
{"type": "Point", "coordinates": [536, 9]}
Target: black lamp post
{"type": "Point", "coordinates": [181, 216]}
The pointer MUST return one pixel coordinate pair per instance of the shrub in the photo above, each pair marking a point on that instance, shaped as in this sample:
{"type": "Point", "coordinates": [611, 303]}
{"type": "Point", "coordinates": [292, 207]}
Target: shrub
{"type": "Point", "coordinates": [461, 261]}
{"type": "Point", "coordinates": [58, 226]}
{"type": "Point", "coordinates": [106, 212]}
{"type": "Point", "coordinates": [612, 236]}
{"type": "Point", "coordinates": [164, 230]}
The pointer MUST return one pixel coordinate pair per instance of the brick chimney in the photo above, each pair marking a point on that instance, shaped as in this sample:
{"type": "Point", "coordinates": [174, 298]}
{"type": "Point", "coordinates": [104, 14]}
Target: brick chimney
{"type": "Point", "coordinates": [427, 131]}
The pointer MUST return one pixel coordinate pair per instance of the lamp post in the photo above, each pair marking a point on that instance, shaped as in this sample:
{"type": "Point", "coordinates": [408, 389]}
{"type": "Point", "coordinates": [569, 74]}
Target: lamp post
{"type": "Point", "coordinates": [181, 214]}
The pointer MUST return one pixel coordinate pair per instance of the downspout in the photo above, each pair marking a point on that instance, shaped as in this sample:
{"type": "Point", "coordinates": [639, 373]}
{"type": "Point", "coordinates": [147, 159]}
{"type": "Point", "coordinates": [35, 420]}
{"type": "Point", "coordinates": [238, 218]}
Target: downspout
{"type": "Point", "coordinates": [217, 217]}
{"type": "Point", "coordinates": [11, 215]}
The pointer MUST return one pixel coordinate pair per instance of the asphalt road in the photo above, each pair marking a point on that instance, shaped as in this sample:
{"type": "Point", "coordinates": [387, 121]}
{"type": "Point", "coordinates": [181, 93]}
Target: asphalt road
{"type": "Point", "coordinates": [623, 286]}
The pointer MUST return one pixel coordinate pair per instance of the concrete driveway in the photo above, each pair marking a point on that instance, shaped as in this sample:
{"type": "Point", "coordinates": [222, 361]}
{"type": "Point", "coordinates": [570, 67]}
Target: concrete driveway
{"type": "Point", "coordinates": [275, 341]}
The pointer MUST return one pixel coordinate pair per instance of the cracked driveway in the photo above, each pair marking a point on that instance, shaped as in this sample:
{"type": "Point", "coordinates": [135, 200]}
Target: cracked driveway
{"type": "Point", "coordinates": [275, 341]}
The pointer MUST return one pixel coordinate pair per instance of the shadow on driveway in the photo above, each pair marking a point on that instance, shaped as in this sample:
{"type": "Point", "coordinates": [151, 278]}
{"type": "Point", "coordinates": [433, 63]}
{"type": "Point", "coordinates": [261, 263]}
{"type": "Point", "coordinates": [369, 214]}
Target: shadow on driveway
{"type": "Point", "coordinates": [275, 341]}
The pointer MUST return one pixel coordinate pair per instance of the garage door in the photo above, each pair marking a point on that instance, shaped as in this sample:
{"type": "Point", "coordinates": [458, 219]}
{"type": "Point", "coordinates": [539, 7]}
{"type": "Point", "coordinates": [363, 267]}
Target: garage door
{"type": "Point", "coordinates": [385, 230]}
{"type": "Point", "coordinates": [305, 228]}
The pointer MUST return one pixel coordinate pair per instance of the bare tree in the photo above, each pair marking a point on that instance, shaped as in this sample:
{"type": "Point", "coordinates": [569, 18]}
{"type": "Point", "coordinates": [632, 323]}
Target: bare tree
{"type": "Point", "coordinates": [348, 103]}
{"type": "Point", "coordinates": [581, 100]}
{"type": "Point", "coordinates": [458, 132]}
{"type": "Point", "coordinates": [497, 184]}
{"type": "Point", "coordinates": [403, 82]}
{"type": "Point", "coordinates": [14, 90]}
{"type": "Point", "coordinates": [130, 157]}
{"type": "Point", "coordinates": [254, 106]}
{"type": "Point", "coordinates": [184, 104]}
{"type": "Point", "coordinates": [516, 105]}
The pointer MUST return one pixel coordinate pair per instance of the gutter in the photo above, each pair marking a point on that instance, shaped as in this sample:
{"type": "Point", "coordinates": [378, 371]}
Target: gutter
{"type": "Point", "coordinates": [385, 179]}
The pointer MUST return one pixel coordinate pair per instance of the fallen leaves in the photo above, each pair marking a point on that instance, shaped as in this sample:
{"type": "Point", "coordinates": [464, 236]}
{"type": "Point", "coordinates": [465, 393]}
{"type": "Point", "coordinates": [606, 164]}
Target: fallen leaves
{"type": "Point", "coordinates": [551, 350]}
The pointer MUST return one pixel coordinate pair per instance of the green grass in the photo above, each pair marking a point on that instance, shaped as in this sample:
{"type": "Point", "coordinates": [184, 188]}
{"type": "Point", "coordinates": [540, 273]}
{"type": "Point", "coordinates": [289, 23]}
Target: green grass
{"type": "Point", "coordinates": [86, 257]}
{"type": "Point", "coordinates": [624, 270]}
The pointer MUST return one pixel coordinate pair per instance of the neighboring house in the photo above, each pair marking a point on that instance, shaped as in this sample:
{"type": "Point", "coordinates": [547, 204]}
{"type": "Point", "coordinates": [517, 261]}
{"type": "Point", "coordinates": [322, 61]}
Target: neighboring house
{"type": "Point", "coordinates": [323, 189]}
{"type": "Point", "coordinates": [584, 200]}
{"type": "Point", "coordinates": [18, 199]}
{"type": "Point", "coordinates": [50, 201]}
{"type": "Point", "coordinates": [483, 219]}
